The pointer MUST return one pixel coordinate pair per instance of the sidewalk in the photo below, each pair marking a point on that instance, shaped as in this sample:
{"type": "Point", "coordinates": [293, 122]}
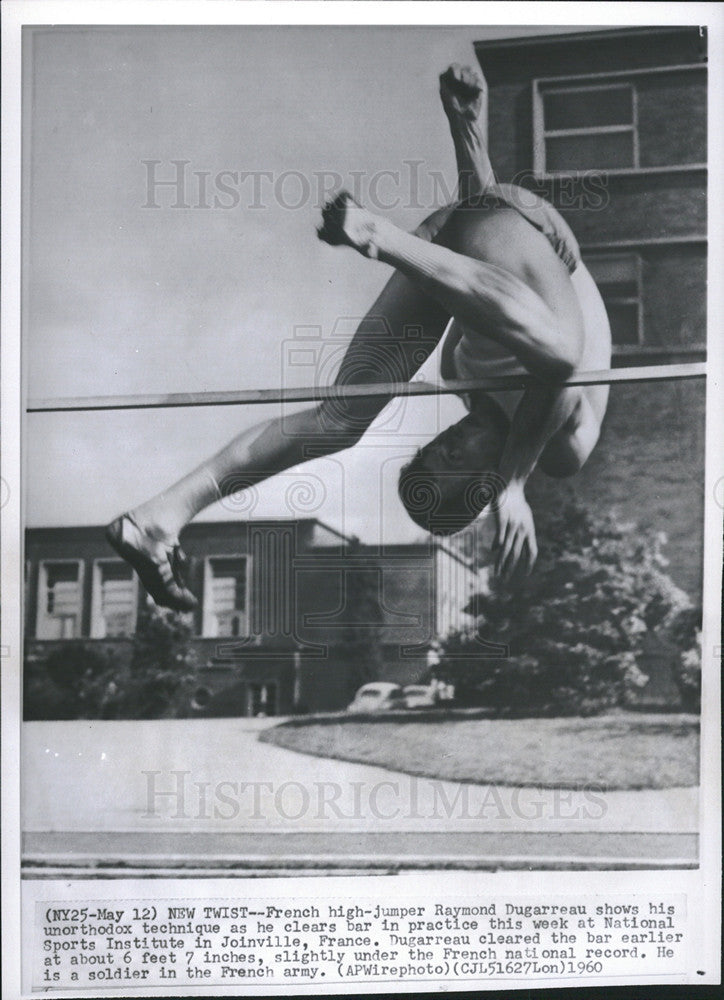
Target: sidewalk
{"type": "Point", "coordinates": [205, 793]}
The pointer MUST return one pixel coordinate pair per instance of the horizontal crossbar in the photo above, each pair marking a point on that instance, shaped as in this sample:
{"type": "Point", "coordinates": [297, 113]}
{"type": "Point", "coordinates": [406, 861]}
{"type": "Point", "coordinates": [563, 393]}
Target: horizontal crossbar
{"type": "Point", "coordinates": [306, 394]}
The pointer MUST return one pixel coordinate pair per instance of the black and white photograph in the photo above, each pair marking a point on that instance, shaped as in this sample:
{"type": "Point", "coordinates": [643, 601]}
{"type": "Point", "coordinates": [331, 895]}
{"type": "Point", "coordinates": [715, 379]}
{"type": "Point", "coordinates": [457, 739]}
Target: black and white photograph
{"type": "Point", "coordinates": [362, 532]}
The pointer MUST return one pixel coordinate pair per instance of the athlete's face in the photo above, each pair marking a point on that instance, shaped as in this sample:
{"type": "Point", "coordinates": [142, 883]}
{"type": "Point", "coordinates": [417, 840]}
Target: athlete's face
{"type": "Point", "coordinates": [447, 484]}
{"type": "Point", "coordinates": [464, 449]}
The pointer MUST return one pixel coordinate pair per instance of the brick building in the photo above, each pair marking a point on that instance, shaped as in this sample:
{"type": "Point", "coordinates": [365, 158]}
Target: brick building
{"type": "Point", "coordinates": [610, 126]}
{"type": "Point", "coordinates": [279, 602]}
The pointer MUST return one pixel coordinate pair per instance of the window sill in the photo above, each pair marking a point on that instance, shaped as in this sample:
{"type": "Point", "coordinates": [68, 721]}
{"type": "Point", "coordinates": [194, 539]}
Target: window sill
{"type": "Point", "coordinates": [645, 242]}
{"type": "Point", "coordinates": [85, 639]}
{"type": "Point", "coordinates": [680, 168]}
{"type": "Point", "coordinates": [624, 354]}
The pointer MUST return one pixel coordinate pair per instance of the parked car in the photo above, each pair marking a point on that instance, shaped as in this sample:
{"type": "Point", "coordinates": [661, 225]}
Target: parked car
{"type": "Point", "coordinates": [379, 696]}
{"type": "Point", "coordinates": [419, 696]}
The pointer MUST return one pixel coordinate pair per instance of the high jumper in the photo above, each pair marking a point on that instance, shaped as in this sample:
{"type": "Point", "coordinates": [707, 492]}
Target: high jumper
{"type": "Point", "coordinates": [506, 268]}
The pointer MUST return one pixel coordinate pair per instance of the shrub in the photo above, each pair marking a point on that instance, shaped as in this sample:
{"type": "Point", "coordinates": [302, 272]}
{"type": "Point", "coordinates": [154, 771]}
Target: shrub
{"type": "Point", "coordinates": [82, 681]}
{"type": "Point", "coordinates": [683, 629]}
{"type": "Point", "coordinates": [75, 681]}
{"type": "Point", "coordinates": [574, 628]}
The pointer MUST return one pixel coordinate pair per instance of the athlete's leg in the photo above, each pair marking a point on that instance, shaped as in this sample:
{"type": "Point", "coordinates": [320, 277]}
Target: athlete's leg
{"type": "Point", "coordinates": [400, 330]}
{"type": "Point", "coordinates": [391, 342]}
{"type": "Point", "coordinates": [402, 327]}
{"type": "Point", "coordinates": [546, 334]}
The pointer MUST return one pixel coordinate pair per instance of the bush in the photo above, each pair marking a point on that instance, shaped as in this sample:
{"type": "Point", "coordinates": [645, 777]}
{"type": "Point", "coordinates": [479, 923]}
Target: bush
{"type": "Point", "coordinates": [76, 681]}
{"type": "Point", "coordinates": [574, 628]}
{"type": "Point", "coordinates": [83, 681]}
{"type": "Point", "coordinates": [683, 629]}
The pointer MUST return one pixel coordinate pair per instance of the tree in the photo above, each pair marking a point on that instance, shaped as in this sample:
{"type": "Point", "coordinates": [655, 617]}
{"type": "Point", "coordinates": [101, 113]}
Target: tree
{"type": "Point", "coordinates": [574, 628]}
{"type": "Point", "coordinates": [162, 670]}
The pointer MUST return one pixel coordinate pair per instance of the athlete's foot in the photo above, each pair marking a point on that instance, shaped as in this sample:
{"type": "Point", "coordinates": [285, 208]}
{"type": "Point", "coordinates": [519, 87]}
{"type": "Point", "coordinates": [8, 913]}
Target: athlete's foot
{"type": "Point", "coordinates": [344, 221]}
{"type": "Point", "coordinates": [159, 562]}
{"type": "Point", "coordinates": [462, 91]}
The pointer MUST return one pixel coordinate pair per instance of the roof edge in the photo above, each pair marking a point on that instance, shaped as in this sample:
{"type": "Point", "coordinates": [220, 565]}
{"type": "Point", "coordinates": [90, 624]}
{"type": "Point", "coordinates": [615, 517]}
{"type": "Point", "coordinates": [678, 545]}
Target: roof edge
{"type": "Point", "coordinates": [579, 36]}
{"type": "Point", "coordinates": [225, 522]}
{"type": "Point", "coordinates": [328, 527]}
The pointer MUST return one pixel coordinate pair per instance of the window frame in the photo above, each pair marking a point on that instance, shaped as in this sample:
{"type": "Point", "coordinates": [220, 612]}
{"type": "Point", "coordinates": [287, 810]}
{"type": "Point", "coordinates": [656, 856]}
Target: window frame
{"type": "Point", "coordinates": [209, 624]}
{"type": "Point", "coordinates": [97, 624]}
{"type": "Point", "coordinates": [599, 81]}
{"type": "Point", "coordinates": [539, 144]}
{"type": "Point", "coordinates": [592, 256]}
{"type": "Point", "coordinates": [41, 614]}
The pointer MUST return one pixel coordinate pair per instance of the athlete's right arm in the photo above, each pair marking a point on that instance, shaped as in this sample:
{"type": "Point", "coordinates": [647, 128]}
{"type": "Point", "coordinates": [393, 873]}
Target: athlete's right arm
{"type": "Point", "coordinates": [463, 94]}
{"type": "Point", "coordinates": [464, 97]}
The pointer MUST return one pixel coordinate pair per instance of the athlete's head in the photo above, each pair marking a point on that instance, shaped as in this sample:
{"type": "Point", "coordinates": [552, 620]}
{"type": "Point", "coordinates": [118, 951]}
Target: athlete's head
{"type": "Point", "coordinates": [454, 477]}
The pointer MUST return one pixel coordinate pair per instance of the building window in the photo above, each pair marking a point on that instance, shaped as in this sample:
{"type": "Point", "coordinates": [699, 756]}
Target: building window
{"type": "Point", "coordinates": [618, 277]}
{"type": "Point", "coordinates": [60, 599]}
{"type": "Point", "coordinates": [226, 584]}
{"type": "Point", "coordinates": [642, 119]}
{"type": "Point", "coordinates": [585, 127]}
{"type": "Point", "coordinates": [115, 599]}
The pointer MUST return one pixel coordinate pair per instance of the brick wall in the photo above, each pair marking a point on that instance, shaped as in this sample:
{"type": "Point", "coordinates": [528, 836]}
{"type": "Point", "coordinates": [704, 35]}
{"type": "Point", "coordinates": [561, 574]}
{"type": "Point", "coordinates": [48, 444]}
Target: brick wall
{"type": "Point", "coordinates": [633, 207]}
{"type": "Point", "coordinates": [649, 463]}
{"type": "Point", "coordinates": [648, 467]}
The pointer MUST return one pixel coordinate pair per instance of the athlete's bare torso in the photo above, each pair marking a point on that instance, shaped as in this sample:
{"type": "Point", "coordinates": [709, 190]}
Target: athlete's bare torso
{"type": "Point", "coordinates": [501, 235]}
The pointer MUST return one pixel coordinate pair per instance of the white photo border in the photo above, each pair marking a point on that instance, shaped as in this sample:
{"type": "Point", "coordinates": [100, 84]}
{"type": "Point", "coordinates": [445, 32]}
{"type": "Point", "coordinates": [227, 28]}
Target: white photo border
{"type": "Point", "coordinates": [16, 13]}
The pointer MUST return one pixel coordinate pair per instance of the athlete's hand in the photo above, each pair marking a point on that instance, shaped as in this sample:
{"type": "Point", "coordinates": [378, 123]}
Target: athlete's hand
{"type": "Point", "coordinates": [515, 540]}
{"type": "Point", "coordinates": [461, 90]}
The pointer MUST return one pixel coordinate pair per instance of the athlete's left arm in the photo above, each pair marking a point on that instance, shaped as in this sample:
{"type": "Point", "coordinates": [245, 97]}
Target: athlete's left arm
{"type": "Point", "coordinates": [542, 411]}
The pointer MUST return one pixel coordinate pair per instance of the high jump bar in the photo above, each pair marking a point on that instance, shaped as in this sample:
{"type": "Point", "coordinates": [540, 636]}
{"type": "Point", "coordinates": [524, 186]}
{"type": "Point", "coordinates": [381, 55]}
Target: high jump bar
{"type": "Point", "coordinates": [306, 394]}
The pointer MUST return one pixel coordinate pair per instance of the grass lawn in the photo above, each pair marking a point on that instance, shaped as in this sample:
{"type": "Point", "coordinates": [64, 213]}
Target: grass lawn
{"type": "Point", "coordinates": [619, 751]}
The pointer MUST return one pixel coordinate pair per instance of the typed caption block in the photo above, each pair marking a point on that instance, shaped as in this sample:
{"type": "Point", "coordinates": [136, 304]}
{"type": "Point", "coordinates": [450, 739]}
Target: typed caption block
{"type": "Point", "coordinates": [213, 942]}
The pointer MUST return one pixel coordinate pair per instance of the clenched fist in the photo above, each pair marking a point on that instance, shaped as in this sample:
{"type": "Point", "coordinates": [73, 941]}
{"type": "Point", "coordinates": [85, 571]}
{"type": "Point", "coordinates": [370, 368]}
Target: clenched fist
{"type": "Point", "coordinates": [462, 91]}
